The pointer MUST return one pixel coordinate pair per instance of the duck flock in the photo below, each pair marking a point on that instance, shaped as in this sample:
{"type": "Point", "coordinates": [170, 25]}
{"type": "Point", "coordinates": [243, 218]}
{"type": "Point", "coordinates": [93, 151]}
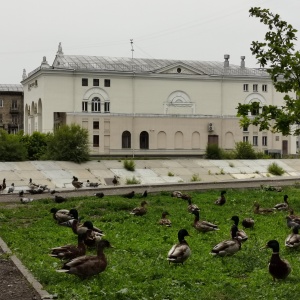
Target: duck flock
{"type": "Point", "coordinates": [76, 262]}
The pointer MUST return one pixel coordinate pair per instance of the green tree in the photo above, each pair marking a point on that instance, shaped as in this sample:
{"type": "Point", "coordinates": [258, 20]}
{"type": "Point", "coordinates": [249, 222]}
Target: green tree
{"type": "Point", "coordinates": [244, 150]}
{"type": "Point", "coordinates": [11, 148]}
{"type": "Point", "coordinates": [69, 143]}
{"type": "Point", "coordinates": [277, 53]}
{"type": "Point", "coordinates": [36, 145]}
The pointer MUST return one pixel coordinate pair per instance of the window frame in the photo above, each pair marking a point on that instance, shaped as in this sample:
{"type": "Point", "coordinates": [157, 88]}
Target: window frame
{"type": "Point", "coordinates": [1, 102]}
{"type": "Point", "coordinates": [264, 88]}
{"type": "Point", "coordinates": [84, 82]}
{"type": "Point", "coordinates": [245, 138]}
{"type": "Point", "coordinates": [96, 125]}
{"type": "Point", "coordinates": [255, 87]}
{"type": "Point", "coordinates": [106, 106]}
{"type": "Point", "coordinates": [96, 82]}
{"type": "Point", "coordinates": [107, 82]}
{"type": "Point", "coordinates": [96, 105]}
{"type": "Point", "coordinates": [255, 140]}
{"type": "Point", "coordinates": [84, 106]}
{"type": "Point", "coordinates": [245, 87]}
{"type": "Point", "coordinates": [264, 140]}
{"type": "Point", "coordinates": [96, 140]}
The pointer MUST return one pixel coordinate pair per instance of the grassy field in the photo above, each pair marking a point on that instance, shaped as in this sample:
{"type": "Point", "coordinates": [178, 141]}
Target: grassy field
{"type": "Point", "coordinates": [138, 268]}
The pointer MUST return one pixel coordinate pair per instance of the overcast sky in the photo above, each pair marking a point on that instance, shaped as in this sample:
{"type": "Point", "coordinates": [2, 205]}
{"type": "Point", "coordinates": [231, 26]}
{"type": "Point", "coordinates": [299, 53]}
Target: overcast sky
{"type": "Point", "coordinates": [162, 29]}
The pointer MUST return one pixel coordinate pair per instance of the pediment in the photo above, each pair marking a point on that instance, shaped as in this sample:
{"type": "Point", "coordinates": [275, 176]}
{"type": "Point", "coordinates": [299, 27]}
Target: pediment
{"type": "Point", "coordinates": [179, 68]}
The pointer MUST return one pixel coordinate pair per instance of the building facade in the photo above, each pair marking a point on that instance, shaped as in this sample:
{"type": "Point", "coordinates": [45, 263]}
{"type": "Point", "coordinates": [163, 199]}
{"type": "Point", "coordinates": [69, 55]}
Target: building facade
{"type": "Point", "coordinates": [11, 107]}
{"type": "Point", "coordinates": [134, 106]}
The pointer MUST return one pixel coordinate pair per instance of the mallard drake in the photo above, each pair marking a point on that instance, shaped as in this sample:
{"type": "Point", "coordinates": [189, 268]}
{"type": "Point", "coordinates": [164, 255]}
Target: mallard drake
{"type": "Point", "coordinates": [293, 239]}
{"type": "Point", "coordinates": [115, 180]}
{"type": "Point", "coordinates": [192, 207]}
{"type": "Point", "coordinates": [141, 210]}
{"type": "Point", "coordinates": [228, 247]}
{"type": "Point", "coordinates": [180, 252]}
{"type": "Point", "coordinates": [284, 205]}
{"type": "Point", "coordinates": [164, 221]}
{"type": "Point", "coordinates": [129, 195]}
{"type": "Point", "coordinates": [86, 266]}
{"type": "Point", "coordinates": [64, 215]}
{"type": "Point", "coordinates": [259, 210]}
{"type": "Point", "coordinates": [11, 188]}
{"type": "Point", "coordinates": [222, 200]}
{"type": "Point", "coordinates": [278, 268]}
{"type": "Point", "coordinates": [248, 223]}
{"type": "Point", "coordinates": [176, 194]}
{"type": "Point", "coordinates": [77, 184]}
{"type": "Point", "coordinates": [240, 234]}
{"type": "Point", "coordinates": [291, 222]}
{"type": "Point", "coordinates": [71, 251]}
{"type": "Point", "coordinates": [202, 226]}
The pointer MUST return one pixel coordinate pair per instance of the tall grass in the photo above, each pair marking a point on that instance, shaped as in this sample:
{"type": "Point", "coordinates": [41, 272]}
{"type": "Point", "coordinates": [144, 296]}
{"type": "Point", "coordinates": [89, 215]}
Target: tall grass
{"type": "Point", "coordinates": [137, 266]}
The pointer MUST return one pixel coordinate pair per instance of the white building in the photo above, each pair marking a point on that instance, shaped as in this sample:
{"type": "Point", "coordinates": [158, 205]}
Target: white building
{"type": "Point", "coordinates": [150, 106]}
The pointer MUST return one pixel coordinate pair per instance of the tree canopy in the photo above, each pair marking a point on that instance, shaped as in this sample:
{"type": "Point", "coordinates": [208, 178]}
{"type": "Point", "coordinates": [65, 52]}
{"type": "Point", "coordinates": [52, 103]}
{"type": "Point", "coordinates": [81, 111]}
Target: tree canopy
{"type": "Point", "coordinates": [278, 55]}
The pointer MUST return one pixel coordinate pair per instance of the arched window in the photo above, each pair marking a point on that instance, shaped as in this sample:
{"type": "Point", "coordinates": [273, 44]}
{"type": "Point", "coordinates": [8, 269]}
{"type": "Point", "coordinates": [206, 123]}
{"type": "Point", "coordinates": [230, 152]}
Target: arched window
{"type": "Point", "coordinates": [144, 140]}
{"type": "Point", "coordinates": [96, 104]}
{"type": "Point", "coordinates": [126, 140]}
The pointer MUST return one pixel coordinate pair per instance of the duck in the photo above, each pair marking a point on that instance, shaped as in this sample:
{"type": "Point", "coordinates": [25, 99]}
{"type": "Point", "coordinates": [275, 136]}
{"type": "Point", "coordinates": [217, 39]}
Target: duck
{"type": "Point", "coordinates": [32, 185]}
{"type": "Point", "coordinates": [278, 268]}
{"type": "Point", "coordinates": [259, 210]}
{"type": "Point", "coordinates": [293, 239]}
{"type": "Point", "coordinates": [77, 184]}
{"type": "Point", "coordinates": [52, 192]}
{"type": "Point", "coordinates": [222, 200]}
{"type": "Point", "coordinates": [192, 207]}
{"type": "Point", "coordinates": [91, 184]}
{"type": "Point", "coordinates": [248, 223]}
{"type": "Point", "coordinates": [203, 226]}
{"type": "Point", "coordinates": [11, 188]}
{"type": "Point", "coordinates": [291, 222]}
{"type": "Point", "coordinates": [144, 194]}
{"type": "Point", "coordinates": [25, 200]}
{"type": "Point", "coordinates": [68, 252]}
{"type": "Point", "coordinates": [181, 251]}
{"type": "Point", "coordinates": [21, 193]}
{"type": "Point", "coordinates": [59, 199]}
{"type": "Point", "coordinates": [228, 247]}
{"type": "Point", "coordinates": [176, 194]}
{"type": "Point", "coordinates": [241, 234]}
{"type": "Point", "coordinates": [284, 205]}
{"type": "Point", "coordinates": [87, 266]}
{"type": "Point", "coordinates": [140, 210]}
{"type": "Point", "coordinates": [64, 215]}
{"type": "Point", "coordinates": [294, 217]}
{"type": "Point", "coordinates": [129, 195]}
{"type": "Point", "coordinates": [115, 180]}
{"type": "Point", "coordinates": [3, 185]}
{"type": "Point", "coordinates": [99, 194]}
{"type": "Point", "coordinates": [186, 197]}
{"type": "Point", "coordinates": [164, 221]}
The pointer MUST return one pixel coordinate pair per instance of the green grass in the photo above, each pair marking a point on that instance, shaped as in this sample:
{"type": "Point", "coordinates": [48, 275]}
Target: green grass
{"type": "Point", "coordinates": [137, 267]}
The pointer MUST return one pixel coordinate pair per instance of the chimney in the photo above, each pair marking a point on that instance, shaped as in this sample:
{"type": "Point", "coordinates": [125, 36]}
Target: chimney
{"type": "Point", "coordinates": [242, 61]}
{"type": "Point", "coordinates": [226, 62]}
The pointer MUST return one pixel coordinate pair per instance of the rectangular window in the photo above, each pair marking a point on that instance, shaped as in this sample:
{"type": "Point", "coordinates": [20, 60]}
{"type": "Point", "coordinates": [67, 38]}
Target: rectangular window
{"type": "Point", "coordinates": [96, 125]}
{"type": "Point", "coordinates": [14, 104]}
{"type": "Point", "coordinates": [14, 119]}
{"type": "Point", "coordinates": [277, 138]}
{"type": "Point", "coordinates": [255, 140]}
{"type": "Point", "coordinates": [106, 107]}
{"type": "Point", "coordinates": [264, 140]}
{"type": "Point", "coordinates": [84, 106]}
{"type": "Point", "coordinates": [245, 128]}
{"type": "Point", "coordinates": [264, 88]}
{"type": "Point", "coordinates": [95, 82]}
{"type": "Point", "coordinates": [107, 82]}
{"type": "Point", "coordinates": [245, 87]}
{"type": "Point", "coordinates": [245, 139]}
{"type": "Point", "coordinates": [1, 102]}
{"type": "Point", "coordinates": [1, 121]}
{"type": "Point", "coordinates": [95, 140]}
{"type": "Point", "coordinates": [255, 87]}
{"type": "Point", "coordinates": [85, 82]}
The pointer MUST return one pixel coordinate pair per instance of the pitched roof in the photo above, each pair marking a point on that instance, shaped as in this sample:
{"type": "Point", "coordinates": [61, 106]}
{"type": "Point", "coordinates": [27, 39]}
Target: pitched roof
{"type": "Point", "coordinates": [11, 88]}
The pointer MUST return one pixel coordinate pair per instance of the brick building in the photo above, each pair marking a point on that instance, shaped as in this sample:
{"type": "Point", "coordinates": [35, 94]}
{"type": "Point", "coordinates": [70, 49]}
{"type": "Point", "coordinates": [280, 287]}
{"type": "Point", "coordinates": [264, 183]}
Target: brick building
{"type": "Point", "coordinates": [11, 107]}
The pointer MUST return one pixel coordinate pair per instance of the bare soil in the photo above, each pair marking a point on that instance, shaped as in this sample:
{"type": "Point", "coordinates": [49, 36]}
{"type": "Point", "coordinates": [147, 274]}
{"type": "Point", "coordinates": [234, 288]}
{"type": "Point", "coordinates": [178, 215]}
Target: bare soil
{"type": "Point", "coordinates": [13, 285]}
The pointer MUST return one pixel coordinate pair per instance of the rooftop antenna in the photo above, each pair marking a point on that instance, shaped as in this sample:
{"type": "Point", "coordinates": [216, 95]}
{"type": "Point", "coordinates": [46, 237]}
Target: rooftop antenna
{"type": "Point", "coordinates": [131, 42]}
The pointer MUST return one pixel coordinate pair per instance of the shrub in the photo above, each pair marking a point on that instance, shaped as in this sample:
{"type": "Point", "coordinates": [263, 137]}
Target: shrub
{"type": "Point", "coordinates": [132, 180]}
{"type": "Point", "coordinates": [170, 174]}
{"type": "Point", "coordinates": [275, 169]}
{"type": "Point", "coordinates": [213, 151]}
{"type": "Point", "coordinates": [129, 165]}
{"type": "Point", "coordinates": [244, 150]}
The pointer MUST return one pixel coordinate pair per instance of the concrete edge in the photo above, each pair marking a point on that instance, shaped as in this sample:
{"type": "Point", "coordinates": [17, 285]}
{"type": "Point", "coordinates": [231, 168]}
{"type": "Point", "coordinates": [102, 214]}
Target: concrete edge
{"type": "Point", "coordinates": [26, 273]}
